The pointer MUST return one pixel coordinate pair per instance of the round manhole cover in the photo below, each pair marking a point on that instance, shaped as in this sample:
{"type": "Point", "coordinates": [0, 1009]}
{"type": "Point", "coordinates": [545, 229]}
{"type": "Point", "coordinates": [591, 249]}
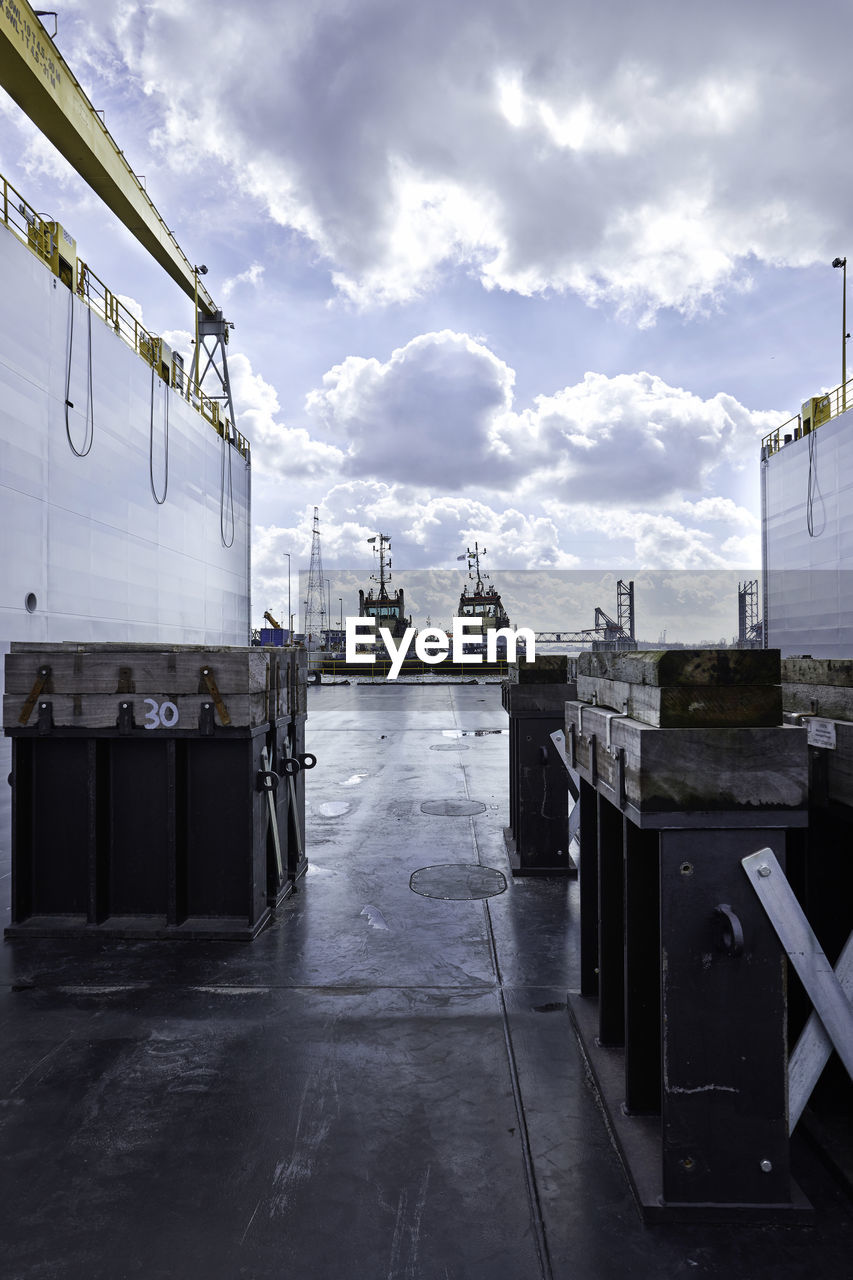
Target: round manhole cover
{"type": "Point", "coordinates": [453, 808]}
{"type": "Point", "coordinates": [457, 883]}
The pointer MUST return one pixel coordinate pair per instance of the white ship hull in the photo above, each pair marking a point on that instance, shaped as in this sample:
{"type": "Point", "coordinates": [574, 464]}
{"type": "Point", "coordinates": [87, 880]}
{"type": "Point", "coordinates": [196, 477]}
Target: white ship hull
{"type": "Point", "coordinates": [88, 554]}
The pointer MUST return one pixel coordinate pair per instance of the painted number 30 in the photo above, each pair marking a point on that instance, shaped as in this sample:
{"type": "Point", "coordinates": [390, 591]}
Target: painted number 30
{"type": "Point", "coordinates": [162, 715]}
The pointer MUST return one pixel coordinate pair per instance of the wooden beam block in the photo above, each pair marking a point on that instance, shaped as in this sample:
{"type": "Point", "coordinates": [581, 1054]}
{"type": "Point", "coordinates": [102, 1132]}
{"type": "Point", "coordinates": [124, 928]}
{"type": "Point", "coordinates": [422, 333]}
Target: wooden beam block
{"type": "Point", "coordinates": [835, 701]}
{"type": "Point", "coordinates": [687, 706]}
{"type": "Point", "coordinates": [685, 666]}
{"type": "Point", "coordinates": [130, 669]}
{"type": "Point", "coordinates": [154, 710]}
{"type": "Point", "coordinates": [683, 770]}
{"type": "Point", "coordinates": [822, 671]}
{"type": "Point", "coordinates": [549, 668]}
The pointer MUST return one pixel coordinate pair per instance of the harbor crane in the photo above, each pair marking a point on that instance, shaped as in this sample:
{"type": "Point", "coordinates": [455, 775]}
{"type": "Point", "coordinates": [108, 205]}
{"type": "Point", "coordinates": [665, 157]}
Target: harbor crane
{"type": "Point", "coordinates": [35, 74]}
{"type": "Point", "coordinates": [607, 633]}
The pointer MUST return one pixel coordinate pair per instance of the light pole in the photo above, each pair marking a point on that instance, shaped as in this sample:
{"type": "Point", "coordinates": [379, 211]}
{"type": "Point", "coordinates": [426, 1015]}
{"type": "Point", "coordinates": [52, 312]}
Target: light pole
{"type": "Point", "coordinates": [842, 262]}
{"type": "Point", "coordinates": [197, 271]}
{"type": "Point", "coordinates": [289, 618]}
{"type": "Point", "coordinates": [341, 603]}
{"type": "Point", "coordinates": [328, 610]}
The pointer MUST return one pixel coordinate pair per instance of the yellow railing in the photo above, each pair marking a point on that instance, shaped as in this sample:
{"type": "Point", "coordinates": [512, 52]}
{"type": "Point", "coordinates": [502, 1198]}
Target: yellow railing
{"type": "Point", "coordinates": [34, 231]}
{"type": "Point", "coordinates": [821, 408]}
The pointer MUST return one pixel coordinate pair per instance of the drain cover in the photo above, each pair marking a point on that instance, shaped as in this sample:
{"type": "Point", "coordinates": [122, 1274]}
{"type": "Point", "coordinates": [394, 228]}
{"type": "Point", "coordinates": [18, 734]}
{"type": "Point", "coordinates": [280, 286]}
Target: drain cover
{"type": "Point", "coordinates": [457, 883]}
{"type": "Point", "coordinates": [453, 808]}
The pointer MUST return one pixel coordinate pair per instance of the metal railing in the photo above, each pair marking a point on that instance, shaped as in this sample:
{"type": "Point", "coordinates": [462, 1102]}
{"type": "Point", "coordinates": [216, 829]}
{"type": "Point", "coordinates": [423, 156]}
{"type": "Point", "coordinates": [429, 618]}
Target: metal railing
{"type": "Point", "coordinates": [412, 670]}
{"type": "Point", "coordinates": [824, 407]}
{"type": "Point", "coordinates": [34, 231]}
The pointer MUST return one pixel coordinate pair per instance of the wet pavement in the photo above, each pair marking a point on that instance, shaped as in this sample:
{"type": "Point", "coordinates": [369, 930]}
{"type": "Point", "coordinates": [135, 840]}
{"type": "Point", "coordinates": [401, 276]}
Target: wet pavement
{"type": "Point", "coordinates": [384, 1084]}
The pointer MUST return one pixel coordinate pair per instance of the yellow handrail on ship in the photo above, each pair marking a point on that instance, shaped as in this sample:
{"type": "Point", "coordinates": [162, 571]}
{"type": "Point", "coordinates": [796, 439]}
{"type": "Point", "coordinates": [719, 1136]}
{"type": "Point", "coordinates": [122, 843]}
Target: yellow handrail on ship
{"type": "Point", "coordinates": [35, 232]}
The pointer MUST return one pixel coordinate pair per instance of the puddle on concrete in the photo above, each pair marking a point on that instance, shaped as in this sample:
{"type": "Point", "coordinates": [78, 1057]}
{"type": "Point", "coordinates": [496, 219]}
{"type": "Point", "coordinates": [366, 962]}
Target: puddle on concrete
{"type": "Point", "coordinates": [333, 808]}
{"type": "Point", "coordinates": [355, 779]}
{"type": "Point", "coordinates": [375, 918]}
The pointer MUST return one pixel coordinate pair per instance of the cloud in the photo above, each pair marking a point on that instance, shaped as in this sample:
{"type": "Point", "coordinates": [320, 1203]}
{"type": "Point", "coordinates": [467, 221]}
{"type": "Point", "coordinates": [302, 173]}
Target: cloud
{"type": "Point", "coordinates": [633, 438]}
{"type": "Point", "coordinates": [439, 414]}
{"type": "Point", "coordinates": [638, 156]}
{"type": "Point", "coordinates": [289, 452]}
{"type": "Point", "coordinates": [426, 416]}
{"type": "Point", "coordinates": [253, 276]}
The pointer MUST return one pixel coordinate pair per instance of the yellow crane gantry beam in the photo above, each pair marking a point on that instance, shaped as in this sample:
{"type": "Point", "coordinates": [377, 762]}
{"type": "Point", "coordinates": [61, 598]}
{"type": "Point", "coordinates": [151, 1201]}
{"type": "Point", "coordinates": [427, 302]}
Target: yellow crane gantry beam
{"type": "Point", "coordinates": [34, 73]}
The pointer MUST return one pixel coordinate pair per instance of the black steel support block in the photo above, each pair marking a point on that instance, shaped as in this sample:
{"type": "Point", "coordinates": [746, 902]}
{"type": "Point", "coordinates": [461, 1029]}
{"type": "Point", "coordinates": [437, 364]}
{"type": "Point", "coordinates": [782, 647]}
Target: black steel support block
{"type": "Point", "coordinates": [539, 787]}
{"type": "Point", "coordinates": [588, 881]}
{"type": "Point", "coordinates": [642, 959]}
{"type": "Point", "coordinates": [724, 1104]}
{"type": "Point", "coordinates": [138, 836]}
{"type": "Point", "coordinates": [611, 925]}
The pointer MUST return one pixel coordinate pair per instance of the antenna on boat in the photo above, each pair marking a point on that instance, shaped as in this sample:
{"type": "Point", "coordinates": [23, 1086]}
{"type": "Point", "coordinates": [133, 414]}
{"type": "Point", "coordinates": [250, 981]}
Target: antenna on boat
{"type": "Point", "coordinates": [474, 566]}
{"type": "Point", "coordinates": [384, 570]}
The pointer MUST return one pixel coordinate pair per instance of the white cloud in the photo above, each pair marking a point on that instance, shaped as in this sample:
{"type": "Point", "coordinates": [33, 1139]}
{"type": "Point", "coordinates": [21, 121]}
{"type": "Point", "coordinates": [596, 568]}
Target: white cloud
{"type": "Point", "coordinates": [253, 276]}
{"type": "Point", "coordinates": [288, 452]}
{"type": "Point", "coordinates": [639, 157]}
{"type": "Point", "coordinates": [426, 417]}
{"type": "Point", "coordinates": [439, 414]}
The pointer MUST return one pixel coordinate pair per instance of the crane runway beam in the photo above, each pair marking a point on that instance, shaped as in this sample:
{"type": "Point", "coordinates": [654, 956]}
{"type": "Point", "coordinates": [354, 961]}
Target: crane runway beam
{"type": "Point", "coordinates": [34, 73]}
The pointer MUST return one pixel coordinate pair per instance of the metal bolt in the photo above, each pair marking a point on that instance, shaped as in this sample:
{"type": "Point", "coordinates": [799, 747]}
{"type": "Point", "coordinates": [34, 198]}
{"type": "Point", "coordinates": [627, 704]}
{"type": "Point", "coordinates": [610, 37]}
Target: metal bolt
{"type": "Point", "coordinates": [124, 706]}
{"type": "Point", "coordinates": [764, 870]}
{"type": "Point", "coordinates": [766, 1166]}
{"type": "Point", "coordinates": [686, 868]}
{"type": "Point", "coordinates": [688, 1163]}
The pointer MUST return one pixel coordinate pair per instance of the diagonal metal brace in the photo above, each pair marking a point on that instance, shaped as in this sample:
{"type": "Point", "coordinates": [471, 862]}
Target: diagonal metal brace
{"type": "Point", "coordinates": [795, 933]}
{"type": "Point", "coordinates": [813, 1049]}
{"type": "Point", "coordinates": [35, 693]}
{"type": "Point", "coordinates": [273, 815]}
{"type": "Point", "coordinates": [210, 684]}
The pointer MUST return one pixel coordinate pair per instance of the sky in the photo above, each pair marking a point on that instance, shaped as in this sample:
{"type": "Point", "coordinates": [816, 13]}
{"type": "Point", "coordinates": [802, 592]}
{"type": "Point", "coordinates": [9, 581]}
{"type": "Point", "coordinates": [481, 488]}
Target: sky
{"type": "Point", "coordinates": [535, 274]}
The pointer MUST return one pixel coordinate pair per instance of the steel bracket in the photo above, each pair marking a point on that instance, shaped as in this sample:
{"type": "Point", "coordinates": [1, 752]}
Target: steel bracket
{"type": "Point", "coordinates": [40, 682]}
{"type": "Point", "coordinates": [209, 682]}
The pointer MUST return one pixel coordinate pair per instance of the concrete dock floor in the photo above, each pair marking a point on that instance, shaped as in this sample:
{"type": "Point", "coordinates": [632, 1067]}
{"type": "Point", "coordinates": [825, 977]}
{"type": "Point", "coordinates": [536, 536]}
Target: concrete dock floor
{"type": "Point", "coordinates": [382, 1085]}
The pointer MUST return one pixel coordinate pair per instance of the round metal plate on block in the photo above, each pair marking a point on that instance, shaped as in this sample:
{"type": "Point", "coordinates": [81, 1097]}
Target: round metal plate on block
{"type": "Point", "coordinates": [453, 808]}
{"type": "Point", "coordinates": [454, 882]}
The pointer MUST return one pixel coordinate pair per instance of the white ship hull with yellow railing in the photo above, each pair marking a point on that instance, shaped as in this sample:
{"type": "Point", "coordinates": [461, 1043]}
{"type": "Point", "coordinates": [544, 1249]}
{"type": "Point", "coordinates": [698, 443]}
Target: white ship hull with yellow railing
{"type": "Point", "coordinates": [125, 494]}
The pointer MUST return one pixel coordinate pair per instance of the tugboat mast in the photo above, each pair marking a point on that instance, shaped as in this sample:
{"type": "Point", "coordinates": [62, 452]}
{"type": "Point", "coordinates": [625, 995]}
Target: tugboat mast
{"type": "Point", "coordinates": [384, 544]}
{"type": "Point", "coordinates": [474, 564]}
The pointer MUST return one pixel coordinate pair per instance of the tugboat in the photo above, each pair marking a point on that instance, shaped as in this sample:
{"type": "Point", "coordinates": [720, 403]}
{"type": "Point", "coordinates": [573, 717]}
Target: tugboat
{"type": "Point", "coordinates": [386, 607]}
{"type": "Point", "coordinates": [482, 601]}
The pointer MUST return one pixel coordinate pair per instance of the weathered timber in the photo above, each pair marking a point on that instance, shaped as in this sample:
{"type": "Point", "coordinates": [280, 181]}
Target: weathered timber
{"type": "Point", "coordinates": [822, 671]}
{"type": "Point", "coordinates": [668, 771]}
{"type": "Point", "coordinates": [86, 711]}
{"type": "Point", "coordinates": [536, 699]}
{"type": "Point", "coordinates": [685, 666]}
{"type": "Point", "coordinates": [834, 701]}
{"type": "Point", "coordinates": [687, 706]}
{"type": "Point", "coordinates": [549, 668]}
{"type": "Point", "coordinates": [129, 669]}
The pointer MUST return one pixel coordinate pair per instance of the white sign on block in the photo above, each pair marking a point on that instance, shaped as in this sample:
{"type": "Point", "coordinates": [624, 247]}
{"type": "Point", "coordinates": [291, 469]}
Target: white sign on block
{"type": "Point", "coordinates": [821, 733]}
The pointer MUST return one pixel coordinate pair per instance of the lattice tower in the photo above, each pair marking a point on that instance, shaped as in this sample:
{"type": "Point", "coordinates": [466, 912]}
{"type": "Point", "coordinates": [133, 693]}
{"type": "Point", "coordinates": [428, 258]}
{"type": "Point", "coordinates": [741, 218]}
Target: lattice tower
{"type": "Point", "coordinates": [316, 617]}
